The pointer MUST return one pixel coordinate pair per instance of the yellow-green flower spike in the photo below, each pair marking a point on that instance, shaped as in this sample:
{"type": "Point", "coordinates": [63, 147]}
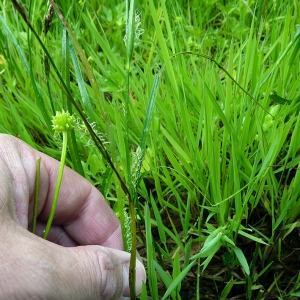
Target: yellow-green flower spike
{"type": "Point", "coordinates": [63, 122]}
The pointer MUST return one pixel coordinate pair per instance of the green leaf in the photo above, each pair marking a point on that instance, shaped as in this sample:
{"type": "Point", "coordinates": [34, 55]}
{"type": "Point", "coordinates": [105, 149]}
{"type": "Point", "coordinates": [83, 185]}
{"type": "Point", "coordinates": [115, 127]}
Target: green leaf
{"type": "Point", "coordinates": [177, 280]}
{"type": "Point", "coordinates": [251, 237]}
{"type": "Point", "coordinates": [227, 289]}
{"type": "Point", "coordinates": [150, 255]}
{"type": "Point", "coordinates": [211, 247]}
{"type": "Point", "coordinates": [278, 99]}
{"type": "Point", "coordinates": [226, 239]}
{"type": "Point", "coordinates": [81, 84]}
{"type": "Point", "coordinates": [160, 225]}
{"type": "Point", "coordinates": [242, 259]}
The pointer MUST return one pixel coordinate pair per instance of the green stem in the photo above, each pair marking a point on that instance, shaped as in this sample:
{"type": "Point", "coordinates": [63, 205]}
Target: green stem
{"type": "Point", "coordinates": [58, 183]}
{"type": "Point", "coordinates": [132, 266]}
{"type": "Point", "coordinates": [36, 194]}
{"type": "Point", "coordinates": [130, 32]}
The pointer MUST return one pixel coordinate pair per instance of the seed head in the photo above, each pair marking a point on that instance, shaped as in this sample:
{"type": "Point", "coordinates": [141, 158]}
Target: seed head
{"type": "Point", "coordinates": [63, 121]}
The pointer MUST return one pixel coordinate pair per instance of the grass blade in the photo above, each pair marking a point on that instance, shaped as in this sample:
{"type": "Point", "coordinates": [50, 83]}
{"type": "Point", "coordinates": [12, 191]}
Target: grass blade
{"type": "Point", "coordinates": [177, 280]}
{"type": "Point", "coordinates": [242, 259]}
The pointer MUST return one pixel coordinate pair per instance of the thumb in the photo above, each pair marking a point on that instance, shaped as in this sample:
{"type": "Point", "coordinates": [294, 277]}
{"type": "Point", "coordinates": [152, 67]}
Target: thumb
{"type": "Point", "coordinates": [33, 268]}
{"type": "Point", "coordinates": [96, 272]}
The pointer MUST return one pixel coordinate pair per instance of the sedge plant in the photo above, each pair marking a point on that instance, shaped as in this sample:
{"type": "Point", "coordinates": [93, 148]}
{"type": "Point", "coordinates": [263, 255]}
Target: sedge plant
{"type": "Point", "coordinates": [208, 147]}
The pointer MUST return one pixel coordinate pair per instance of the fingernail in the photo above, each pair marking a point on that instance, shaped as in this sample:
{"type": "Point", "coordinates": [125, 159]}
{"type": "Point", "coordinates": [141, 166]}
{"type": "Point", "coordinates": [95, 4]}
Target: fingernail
{"type": "Point", "coordinates": [140, 278]}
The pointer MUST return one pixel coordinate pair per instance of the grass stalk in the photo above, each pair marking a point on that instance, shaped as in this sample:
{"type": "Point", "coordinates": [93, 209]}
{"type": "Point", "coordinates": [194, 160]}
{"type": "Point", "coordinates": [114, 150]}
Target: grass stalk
{"type": "Point", "coordinates": [36, 194]}
{"type": "Point", "coordinates": [57, 185]}
{"type": "Point", "coordinates": [130, 36]}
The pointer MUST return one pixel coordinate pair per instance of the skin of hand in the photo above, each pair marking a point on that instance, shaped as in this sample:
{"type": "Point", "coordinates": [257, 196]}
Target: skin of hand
{"type": "Point", "coordinates": [82, 257]}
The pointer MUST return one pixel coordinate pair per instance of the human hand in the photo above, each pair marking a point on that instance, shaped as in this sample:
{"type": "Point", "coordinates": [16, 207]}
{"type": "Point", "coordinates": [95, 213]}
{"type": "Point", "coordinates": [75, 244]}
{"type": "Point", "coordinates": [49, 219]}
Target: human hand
{"type": "Point", "coordinates": [82, 258]}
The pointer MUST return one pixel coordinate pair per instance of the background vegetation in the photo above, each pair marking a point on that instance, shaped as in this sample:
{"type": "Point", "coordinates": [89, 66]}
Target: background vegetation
{"type": "Point", "coordinates": [201, 122]}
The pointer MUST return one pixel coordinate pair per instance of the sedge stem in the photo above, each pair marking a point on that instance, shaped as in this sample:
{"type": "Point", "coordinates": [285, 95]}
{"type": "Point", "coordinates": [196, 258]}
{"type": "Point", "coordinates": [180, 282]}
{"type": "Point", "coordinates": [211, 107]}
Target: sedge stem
{"type": "Point", "coordinates": [36, 194]}
{"type": "Point", "coordinates": [58, 184]}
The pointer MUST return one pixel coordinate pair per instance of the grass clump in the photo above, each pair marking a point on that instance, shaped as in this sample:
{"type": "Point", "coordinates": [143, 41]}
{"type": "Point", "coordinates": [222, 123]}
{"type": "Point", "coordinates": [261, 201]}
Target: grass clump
{"type": "Point", "coordinates": [195, 131]}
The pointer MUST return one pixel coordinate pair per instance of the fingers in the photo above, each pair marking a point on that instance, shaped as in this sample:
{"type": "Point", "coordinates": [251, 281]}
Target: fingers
{"type": "Point", "coordinates": [60, 236]}
{"type": "Point", "coordinates": [41, 269]}
{"type": "Point", "coordinates": [82, 212]}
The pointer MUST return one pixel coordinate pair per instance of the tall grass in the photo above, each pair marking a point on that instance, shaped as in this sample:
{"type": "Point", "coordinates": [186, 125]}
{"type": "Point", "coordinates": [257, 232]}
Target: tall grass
{"type": "Point", "coordinates": [200, 121]}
